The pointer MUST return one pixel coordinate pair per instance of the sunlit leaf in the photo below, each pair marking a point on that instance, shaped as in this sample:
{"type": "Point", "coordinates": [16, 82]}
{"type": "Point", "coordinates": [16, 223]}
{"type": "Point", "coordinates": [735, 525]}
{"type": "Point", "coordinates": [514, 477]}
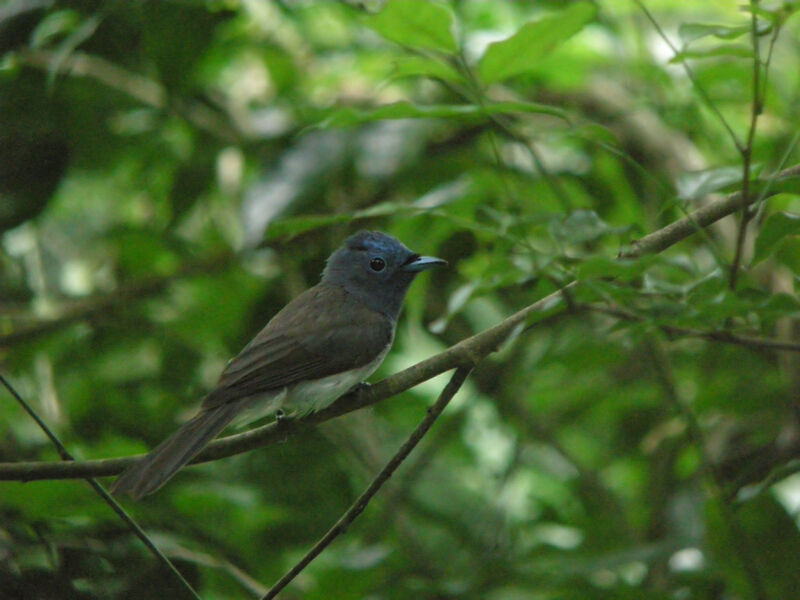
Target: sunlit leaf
{"type": "Point", "coordinates": [735, 50]}
{"type": "Point", "coordinates": [522, 51]}
{"type": "Point", "coordinates": [689, 32]}
{"type": "Point", "coordinates": [411, 66]}
{"type": "Point", "coordinates": [346, 117]}
{"type": "Point", "coordinates": [54, 26]}
{"type": "Point", "coordinates": [416, 24]}
{"type": "Point", "coordinates": [694, 186]}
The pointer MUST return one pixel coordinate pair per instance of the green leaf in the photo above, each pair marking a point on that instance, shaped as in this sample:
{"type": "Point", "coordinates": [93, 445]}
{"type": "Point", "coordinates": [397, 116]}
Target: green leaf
{"type": "Point", "coordinates": [347, 117]}
{"type": "Point", "coordinates": [738, 50]}
{"type": "Point", "coordinates": [416, 24]}
{"type": "Point", "coordinates": [694, 186]}
{"type": "Point", "coordinates": [522, 51]}
{"type": "Point", "coordinates": [779, 305]}
{"type": "Point", "coordinates": [773, 14]}
{"type": "Point", "coordinates": [774, 232]}
{"type": "Point", "coordinates": [54, 26]}
{"type": "Point", "coordinates": [436, 198]}
{"type": "Point", "coordinates": [689, 32]}
{"type": "Point", "coordinates": [412, 66]}
{"type": "Point", "coordinates": [788, 253]}
{"type": "Point", "coordinates": [622, 269]}
{"type": "Point", "coordinates": [581, 226]}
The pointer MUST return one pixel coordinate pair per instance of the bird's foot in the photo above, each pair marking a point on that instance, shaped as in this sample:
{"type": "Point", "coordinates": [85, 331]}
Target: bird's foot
{"type": "Point", "coordinates": [281, 418]}
{"type": "Point", "coordinates": [360, 387]}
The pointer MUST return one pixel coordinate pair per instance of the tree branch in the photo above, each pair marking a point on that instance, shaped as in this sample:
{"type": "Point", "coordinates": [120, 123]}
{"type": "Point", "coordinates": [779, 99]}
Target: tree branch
{"type": "Point", "coordinates": [100, 490]}
{"type": "Point", "coordinates": [756, 107]}
{"type": "Point", "coordinates": [714, 336]}
{"type": "Point", "coordinates": [455, 383]}
{"type": "Point", "coordinates": [468, 351]}
{"type": "Point", "coordinates": [673, 233]}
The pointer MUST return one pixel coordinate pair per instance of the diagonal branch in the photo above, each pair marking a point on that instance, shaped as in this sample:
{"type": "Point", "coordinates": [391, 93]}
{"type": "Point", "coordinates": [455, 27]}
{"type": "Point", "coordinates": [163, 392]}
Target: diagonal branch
{"type": "Point", "coordinates": [712, 212]}
{"type": "Point", "coordinates": [714, 335]}
{"type": "Point", "coordinates": [115, 506]}
{"type": "Point", "coordinates": [340, 527]}
{"type": "Point", "coordinates": [468, 351]}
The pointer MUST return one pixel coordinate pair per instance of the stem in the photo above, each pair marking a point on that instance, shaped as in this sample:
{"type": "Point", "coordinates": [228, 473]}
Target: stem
{"type": "Point", "coordinates": [66, 456]}
{"type": "Point", "coordinates": [712, 212]}
{"type": "Point", "coordinates": [468, 350]}
{"type": "Point", "coordinates": [747, 150]}
{"type": "Point", "coordinates": [690, 74]}
{"type": "Point", "coordinates": [364, 499]}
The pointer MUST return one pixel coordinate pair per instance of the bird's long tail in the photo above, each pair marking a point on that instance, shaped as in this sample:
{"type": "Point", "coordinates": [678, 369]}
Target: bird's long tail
{"type": "Point", "coordinates": [152, 471]}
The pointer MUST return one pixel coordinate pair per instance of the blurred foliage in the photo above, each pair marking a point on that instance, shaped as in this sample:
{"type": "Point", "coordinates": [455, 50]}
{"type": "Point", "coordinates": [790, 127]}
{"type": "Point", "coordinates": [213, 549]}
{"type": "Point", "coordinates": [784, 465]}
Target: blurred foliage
{"type": "Point", "coordinates": [172, 172]}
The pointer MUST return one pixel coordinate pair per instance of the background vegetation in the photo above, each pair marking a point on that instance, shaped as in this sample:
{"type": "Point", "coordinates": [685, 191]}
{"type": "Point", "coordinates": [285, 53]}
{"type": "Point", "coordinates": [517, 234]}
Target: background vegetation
{"type": "Point", "coordinates": [173, 172]}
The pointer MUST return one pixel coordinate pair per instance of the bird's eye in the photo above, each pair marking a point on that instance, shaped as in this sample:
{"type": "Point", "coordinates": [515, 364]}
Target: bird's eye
{"type": "Point", "coordinates": [377, 264]}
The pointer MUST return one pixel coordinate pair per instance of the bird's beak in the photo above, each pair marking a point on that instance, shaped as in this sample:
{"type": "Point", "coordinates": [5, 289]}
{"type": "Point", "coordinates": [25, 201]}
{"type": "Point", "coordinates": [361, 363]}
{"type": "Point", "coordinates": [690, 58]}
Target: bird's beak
{"type": "Point", "coordinates": [422, 263]}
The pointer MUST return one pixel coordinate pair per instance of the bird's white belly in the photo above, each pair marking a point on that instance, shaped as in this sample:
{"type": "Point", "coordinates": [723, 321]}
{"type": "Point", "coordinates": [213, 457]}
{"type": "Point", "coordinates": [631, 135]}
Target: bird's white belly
{"type": "Point", "coordinates": [310, 396]}
{"type": "Point", "coordinates": [307, 396]}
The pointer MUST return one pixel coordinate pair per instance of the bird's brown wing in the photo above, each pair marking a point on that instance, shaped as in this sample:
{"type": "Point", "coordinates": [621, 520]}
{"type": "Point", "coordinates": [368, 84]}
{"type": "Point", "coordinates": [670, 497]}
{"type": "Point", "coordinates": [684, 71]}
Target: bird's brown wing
{"type": "Point", "coordinates": [322, 332]}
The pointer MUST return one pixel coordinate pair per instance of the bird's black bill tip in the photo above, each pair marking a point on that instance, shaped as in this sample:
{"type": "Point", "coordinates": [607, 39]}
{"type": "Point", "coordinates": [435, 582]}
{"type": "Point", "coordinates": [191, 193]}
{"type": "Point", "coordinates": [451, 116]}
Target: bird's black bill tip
{"type": "Point", "coordinates": [423, 263]}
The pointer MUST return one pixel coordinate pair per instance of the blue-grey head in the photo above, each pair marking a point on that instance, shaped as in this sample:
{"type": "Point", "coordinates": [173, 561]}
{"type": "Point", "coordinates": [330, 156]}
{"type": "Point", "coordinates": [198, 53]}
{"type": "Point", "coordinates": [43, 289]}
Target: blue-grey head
{"type": "Point", "coordinates": [377, 269]}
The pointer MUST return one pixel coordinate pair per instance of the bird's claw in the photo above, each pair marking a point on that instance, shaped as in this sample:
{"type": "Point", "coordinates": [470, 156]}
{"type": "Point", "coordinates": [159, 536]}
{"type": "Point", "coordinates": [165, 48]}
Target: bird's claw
{"type": "Point", "coordinates": [281, 418]}
{"type": "Point", "coordinates": [361, 386]}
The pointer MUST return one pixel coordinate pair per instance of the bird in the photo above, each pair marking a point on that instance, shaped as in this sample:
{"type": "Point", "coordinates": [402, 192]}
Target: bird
{"type": "Point", "coordinates": [322, 344]}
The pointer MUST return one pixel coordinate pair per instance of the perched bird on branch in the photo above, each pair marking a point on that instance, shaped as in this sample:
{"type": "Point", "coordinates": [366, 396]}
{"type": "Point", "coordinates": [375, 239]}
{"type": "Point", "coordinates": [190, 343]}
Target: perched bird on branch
{"type": "Point", "coordinates": [318, 347]}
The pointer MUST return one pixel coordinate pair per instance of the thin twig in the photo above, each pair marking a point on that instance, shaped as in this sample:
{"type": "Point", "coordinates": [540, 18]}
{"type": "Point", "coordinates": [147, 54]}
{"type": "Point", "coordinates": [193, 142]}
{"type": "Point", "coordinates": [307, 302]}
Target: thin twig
{"type": "Point", "coordinates": [66, 456]}
{"type": "Point", "coordinates": [715, 336]}
{"type": "Point", "coordinates": [467, 351]}
{"type": "Point", "coordinates": [690, 74]}
{"type": "Point", "coordinates": [474, 347]}
{"type": "Point", "coordinates": [401, 491]}
{"type": "Point", "coordinates": [756, 106]}
{"type": "Point", "coordinates": [476, 95]}
{"type": "Point", "coordinates": [455, 383]}
{"type": "Point", "coordinates": [701, 218]}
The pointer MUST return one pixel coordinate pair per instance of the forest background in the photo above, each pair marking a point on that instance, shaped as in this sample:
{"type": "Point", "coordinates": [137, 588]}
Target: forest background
{"type": "Point", "coordinates": [625, 173]}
